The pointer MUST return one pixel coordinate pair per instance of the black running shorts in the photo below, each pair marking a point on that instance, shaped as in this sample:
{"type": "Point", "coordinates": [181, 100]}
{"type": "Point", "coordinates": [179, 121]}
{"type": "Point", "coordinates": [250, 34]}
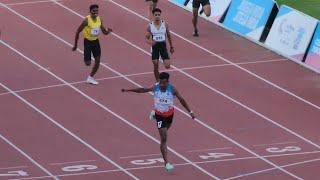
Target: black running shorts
{"type": "Point", "coordinates": [91, 47]}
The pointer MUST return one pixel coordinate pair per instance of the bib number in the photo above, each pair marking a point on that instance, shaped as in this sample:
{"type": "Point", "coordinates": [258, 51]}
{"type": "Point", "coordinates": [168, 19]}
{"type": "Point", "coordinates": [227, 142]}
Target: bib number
{"type": "Point", "coordinates": [163, 101]}
{"type": "Point", "coordinates": [159, 38]}
{"type": "Point", "coordinates": [95, 31]}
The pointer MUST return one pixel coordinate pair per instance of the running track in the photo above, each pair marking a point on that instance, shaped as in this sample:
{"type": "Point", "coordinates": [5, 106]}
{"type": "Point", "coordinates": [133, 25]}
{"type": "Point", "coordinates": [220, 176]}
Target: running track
{"type": "Point", "coordinates": [258, 113]}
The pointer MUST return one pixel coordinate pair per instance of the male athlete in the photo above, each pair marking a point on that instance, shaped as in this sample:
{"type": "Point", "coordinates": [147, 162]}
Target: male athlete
{"type": "Point", "coordinates": [157, 33]}
{"type": "Point", "coordinates": [151, 5]}
{"type": "Point", "coordinates": [90, 27]}
{"type": "Point", "coordinates": [206, 8]}
{"type": "Point", "coordinates": [164, 94]}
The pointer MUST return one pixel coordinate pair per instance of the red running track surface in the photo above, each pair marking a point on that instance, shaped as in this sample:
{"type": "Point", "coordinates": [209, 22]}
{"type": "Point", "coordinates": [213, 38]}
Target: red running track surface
{"type": "Point", "coordinates": [247, 128]}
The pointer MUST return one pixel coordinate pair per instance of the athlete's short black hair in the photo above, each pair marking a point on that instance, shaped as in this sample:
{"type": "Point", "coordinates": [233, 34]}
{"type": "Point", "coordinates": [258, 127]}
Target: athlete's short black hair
{"type": "Point", "coordinates": [93, 6]}
{"type": "Point", "coordinates": [164, 75]}
{"type": "Point", "coordinates": [156, 10]}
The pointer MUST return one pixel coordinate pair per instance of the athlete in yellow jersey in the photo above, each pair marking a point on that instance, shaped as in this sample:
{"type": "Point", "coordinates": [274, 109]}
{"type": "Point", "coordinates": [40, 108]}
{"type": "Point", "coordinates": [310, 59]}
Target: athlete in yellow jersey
{"type": "Point", "coordinates": [90, 28]}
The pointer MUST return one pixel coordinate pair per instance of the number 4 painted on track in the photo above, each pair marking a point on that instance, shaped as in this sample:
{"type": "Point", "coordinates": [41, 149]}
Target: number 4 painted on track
{"type": "Point", "coordinates": [15, 173]}
{"type": "Point", "coordinates": [147, 161]}
{"type": "Point", "coordinates": [215, 155]}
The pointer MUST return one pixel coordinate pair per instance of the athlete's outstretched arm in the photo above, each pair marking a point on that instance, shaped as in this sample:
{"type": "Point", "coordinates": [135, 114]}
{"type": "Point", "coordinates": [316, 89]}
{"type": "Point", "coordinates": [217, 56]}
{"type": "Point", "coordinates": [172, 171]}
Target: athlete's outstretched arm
{"type": "Point", "coordinates": [80, 28]}
{"type": "Point", "coordinates": [183, 102]}
{"type": "Point", "coordinates": [104, 30]}
{"type": "Point", "coordinates": [169, 38]}
{"type": "Point", "coordinates": [138, 90]}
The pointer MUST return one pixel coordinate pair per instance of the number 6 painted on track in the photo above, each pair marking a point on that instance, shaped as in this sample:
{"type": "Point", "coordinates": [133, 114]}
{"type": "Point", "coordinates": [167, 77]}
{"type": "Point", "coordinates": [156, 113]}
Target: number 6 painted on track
{"type": "Point", "coordinates": [77, 168]}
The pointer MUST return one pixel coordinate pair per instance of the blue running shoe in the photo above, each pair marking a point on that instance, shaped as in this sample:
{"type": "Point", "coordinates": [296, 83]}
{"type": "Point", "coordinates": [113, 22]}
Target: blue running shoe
{"type": "Point", "coordinates": [169, 167]}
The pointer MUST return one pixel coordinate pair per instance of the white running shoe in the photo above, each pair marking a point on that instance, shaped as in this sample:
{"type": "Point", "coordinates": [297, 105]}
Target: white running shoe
{"type": "Point", "coordinates": [169, 167]}
{"type": "Point", "coordinates": [91, 80]}
{"type": "Point", "coordinates": [152, 115]}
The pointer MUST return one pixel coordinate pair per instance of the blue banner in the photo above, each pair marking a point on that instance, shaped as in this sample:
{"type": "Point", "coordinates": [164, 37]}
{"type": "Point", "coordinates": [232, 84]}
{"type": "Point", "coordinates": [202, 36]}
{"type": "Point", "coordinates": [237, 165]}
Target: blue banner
{"type": "Point", "coordinates": [249, 17]}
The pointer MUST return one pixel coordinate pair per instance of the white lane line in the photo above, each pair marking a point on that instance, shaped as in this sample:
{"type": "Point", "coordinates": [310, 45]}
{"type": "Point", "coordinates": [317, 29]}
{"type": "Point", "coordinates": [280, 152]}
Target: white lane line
{"type": "Point", "coordinates": [225, 60]}
{"type": "Point", "coordinates": [29, 2]}
{"type": "Point", "coordinates": [25, 154]}
{"type": "Point", "coordinates": [203, 150]}
{"type": "Point", "coordinates": [197, 120]}
{"type": "Point", "coordinates": [214, 89]}
{"type": "Point", "coordinates": [220, 92]}
{"type": "Point", "coordinates": [59, 125]}
{"type": "Point", "coordinates": [138, 156]}
{"type": "Point", "coordinates": [97, 103]}
{"type": "Point", "coordinates": [179, 164]}
{"type": "Point", "coordinates": [135, 74]}
{"type": "Point", "coordinates": [280, 143]}
{"type": "Point", "coordinates": [16, 167]}
{"type": "Point", "coordinates": [270, 169]}
{"type": "Point", "coordinates": [72, 162]}
{"type": "Point", "coordinates": [93, 100]}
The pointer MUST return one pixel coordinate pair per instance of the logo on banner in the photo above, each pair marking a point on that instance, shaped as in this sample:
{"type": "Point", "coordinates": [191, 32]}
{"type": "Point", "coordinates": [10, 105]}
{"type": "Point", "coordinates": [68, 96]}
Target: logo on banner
{"type": "Point", "coordinates": [248, 14]}
{"type": "Point", "coordinates": [297, 41]}
{"type": "Point", "coordinates": [290, 35]}
{"type": "Point", "coordinates": [285, 31]}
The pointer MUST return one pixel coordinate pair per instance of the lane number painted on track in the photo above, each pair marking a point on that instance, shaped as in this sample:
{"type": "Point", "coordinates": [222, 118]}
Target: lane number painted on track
{"type": "Point", "coordinates": [147, 161]}
{"type": "Point", "coordinates": [215, 155]}
{"type": "Point", "coordinates": [282, 150]}
{"type": "Point", "coordinates": [15, 173]}
{"type": "Point", "coordinates": [77, 168]}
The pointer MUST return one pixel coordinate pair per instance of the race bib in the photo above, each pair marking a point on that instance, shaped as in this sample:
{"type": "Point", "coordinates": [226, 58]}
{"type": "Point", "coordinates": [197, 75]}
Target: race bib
{"type": "Point", "coordinates": [163, 101]}
{"type": "Point", "coordinates": [159, 38]}
{"type": "Point", "coordinates": [95, 31]}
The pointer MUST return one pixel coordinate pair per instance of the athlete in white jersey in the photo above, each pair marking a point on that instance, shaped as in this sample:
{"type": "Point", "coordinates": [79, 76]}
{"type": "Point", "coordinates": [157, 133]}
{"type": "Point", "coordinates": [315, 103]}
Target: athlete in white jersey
{"type": "Point", "coordinates": [157, 33]}
{"type": "Point", "coordinates": [164, 93]}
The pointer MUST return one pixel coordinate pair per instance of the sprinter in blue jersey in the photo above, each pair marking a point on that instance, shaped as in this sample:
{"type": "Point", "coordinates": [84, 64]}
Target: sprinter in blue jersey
{"type": "Point", "coordinates": [164, 94]}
